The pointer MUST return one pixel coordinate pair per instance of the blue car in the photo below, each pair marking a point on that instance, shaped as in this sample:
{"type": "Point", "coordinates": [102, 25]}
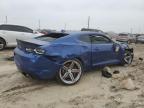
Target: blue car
{"type": "Point", "coordinates": [67, 55]}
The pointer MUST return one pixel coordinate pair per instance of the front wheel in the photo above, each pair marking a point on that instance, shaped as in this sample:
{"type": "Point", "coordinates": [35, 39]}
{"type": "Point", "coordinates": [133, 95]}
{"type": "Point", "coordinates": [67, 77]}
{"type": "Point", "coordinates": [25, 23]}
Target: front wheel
{"type": "Point", "coordinates": [71, 72]}
{"type": "Point", "coordinates": [128, 57]}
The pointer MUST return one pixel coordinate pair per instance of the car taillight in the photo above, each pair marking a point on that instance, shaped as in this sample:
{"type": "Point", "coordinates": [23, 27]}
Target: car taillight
{"type": "Point", "coordinates": [30, 50]}
{"type": "Point", "coordinates": [39, 51]}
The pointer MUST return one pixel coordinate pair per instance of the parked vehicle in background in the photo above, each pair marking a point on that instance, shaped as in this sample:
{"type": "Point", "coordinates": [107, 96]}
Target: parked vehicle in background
{"type": "Point", "coordinates": [9, 34]}
{"type": "Point", "coordinates": [140, 39]}
{"type": "Point", "coordinates": [46, 31]}
{"type": "Point", "coordinates": [67, 55]}
{"type": "Point", "coordinates": [112, 35]}
{"type": "Point", "coordinates": [126, 37]}
{"type": "Point", "coordinates": [132, 38]}
{"type": "Point", "coordinates": [92, 30]}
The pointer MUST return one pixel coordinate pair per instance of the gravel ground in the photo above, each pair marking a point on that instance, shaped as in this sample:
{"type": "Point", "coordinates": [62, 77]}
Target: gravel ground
{"type": "Point", "coordinates": [93, 91]}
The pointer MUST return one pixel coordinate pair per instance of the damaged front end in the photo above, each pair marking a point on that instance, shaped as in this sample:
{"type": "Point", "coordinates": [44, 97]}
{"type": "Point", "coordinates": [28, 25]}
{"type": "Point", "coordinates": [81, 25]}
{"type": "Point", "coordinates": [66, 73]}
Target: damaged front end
{"type": "Point", "coordinates": [128, 55]}
{"type": "Point", "coordinates": [131, 50]}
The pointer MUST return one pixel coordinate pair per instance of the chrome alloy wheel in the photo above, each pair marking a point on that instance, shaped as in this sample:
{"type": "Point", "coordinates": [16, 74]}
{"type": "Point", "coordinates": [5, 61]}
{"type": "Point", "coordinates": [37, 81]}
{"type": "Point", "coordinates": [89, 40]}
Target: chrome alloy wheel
{"type": "Point", "coordinates": [71, 72]}
{"type": "Point", "coordinates": [128, 58]}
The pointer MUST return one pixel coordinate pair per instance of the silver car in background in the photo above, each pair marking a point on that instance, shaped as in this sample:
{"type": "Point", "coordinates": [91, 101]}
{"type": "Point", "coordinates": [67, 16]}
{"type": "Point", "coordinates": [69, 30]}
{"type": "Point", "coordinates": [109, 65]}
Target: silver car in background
{"type": "Point", "coordinates": [140, 39]}
{"type": "Point", "coordinates": [126, 37]}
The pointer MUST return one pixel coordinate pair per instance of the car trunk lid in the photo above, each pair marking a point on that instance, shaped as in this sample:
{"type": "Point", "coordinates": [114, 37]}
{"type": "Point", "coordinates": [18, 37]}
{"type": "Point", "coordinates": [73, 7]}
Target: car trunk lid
{"type": "Point", "coordinates": [30, 44]}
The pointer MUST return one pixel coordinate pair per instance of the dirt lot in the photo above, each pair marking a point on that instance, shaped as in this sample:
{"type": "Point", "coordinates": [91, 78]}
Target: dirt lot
{"type": "Point", "coordinates": [93, 91]}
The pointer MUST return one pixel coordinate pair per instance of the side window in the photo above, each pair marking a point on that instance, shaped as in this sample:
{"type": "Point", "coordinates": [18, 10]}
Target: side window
{"type": "Point", "coordinates": [16, 28]}
{"type": "Point", "coordinates": [85, 38]}
{"type": "Point", "coordinates": [11, 27]}
{"type": "Point", "coordinates": [1, 27]}
{"type": "Point", "coordinates": [6, 27]}
{"type": "Point", "coordinates": [28, 30]}
{"type": "Point", "coordinates": [100, 39]}
{"type": "Point", "coordinates": [25, 29]}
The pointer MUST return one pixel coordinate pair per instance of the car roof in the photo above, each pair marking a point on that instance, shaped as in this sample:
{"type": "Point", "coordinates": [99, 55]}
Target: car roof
{"type": "Point", "coordinates": [83, 33]}
{"type": "Point", "coordinates": [74, 33]}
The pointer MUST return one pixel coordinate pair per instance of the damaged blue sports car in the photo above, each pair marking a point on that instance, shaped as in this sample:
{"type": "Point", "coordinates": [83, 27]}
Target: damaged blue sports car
{"type": "Point", "coordinates": [67, 55]}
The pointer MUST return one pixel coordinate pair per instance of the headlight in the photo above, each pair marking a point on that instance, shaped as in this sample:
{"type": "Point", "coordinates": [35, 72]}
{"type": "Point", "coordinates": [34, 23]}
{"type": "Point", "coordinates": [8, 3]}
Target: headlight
{"type": "Point", "coordinates": [39, 51]}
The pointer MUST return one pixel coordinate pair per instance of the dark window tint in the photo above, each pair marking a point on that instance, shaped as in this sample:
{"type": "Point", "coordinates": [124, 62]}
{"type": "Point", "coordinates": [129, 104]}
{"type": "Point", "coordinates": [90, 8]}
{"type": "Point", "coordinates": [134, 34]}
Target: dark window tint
{"type": "Point", "coordinates": [23, 29]}
{"type": "Point", "coordinates": [85, 38]}
{"type": "Point", "coordinates": [16, 28]}
{"type": "Point", "coordinates": [100, 39]}
{"type": "Point", "coordinates": [6, 27]}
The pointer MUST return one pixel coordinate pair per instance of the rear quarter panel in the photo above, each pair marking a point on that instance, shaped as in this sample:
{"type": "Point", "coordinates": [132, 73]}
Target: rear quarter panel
{"type": "Point", "coordinates": [66, 51]}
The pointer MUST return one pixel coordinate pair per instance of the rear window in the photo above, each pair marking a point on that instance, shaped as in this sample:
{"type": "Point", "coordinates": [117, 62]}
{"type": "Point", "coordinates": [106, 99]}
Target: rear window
{"type": "Point", "coordinates": [51, 37]}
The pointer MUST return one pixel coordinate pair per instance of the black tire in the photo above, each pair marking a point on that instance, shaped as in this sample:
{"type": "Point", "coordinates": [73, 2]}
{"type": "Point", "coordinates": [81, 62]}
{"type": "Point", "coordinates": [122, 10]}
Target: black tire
{"type": "Point", "coordinates": [128, 58]}
{"type": "Point", "coordinates": [77, 77]}
{"type": "Point", "coordinates": [2, 44]}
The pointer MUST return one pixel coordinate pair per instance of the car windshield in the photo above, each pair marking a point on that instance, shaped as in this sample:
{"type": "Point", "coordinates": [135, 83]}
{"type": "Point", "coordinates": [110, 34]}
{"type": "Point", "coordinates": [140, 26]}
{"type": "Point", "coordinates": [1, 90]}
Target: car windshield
{"type": "Point", "coordinates": [51, 37]}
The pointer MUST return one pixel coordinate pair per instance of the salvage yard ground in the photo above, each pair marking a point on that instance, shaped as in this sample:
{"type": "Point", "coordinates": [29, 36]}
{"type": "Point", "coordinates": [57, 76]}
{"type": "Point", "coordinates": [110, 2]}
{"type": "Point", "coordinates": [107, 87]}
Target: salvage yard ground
{"type": "Point", "coordinates": [93, 90]}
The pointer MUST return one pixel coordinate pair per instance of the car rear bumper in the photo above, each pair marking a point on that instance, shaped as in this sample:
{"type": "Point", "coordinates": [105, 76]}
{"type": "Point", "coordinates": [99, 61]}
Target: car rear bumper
{"type": "Point", "coordinates": [37, 66]}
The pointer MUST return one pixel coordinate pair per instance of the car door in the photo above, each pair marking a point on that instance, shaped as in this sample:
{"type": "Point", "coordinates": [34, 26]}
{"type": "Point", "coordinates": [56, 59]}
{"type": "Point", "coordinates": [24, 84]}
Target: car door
{"type": "Point", "coordinates": [102, 50]}
{"type": "Point", "coordinates": [85, 43]}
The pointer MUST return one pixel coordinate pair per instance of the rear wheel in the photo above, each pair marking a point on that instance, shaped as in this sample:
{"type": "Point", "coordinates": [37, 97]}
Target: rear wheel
{"type": "Point", "coordinates": [70, 73]}
{"type": "Point", "coordinates": [2, 44]}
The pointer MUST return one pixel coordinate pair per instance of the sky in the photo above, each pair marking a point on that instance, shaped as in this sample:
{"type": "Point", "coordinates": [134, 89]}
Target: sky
{"type": "Point", "coordinates": [107, 15]}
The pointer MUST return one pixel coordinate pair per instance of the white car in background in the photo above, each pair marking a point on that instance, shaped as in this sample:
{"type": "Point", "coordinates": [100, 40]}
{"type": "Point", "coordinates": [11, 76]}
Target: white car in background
{"type": "Point", "coordinates": [9, 34]}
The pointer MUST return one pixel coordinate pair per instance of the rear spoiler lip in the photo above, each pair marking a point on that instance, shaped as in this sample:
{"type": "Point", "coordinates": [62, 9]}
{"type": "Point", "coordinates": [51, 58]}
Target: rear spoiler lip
{"type": "Point", "coordinates": [33, 41]}
{"type": "Point", "coordinates": [18, 40]}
